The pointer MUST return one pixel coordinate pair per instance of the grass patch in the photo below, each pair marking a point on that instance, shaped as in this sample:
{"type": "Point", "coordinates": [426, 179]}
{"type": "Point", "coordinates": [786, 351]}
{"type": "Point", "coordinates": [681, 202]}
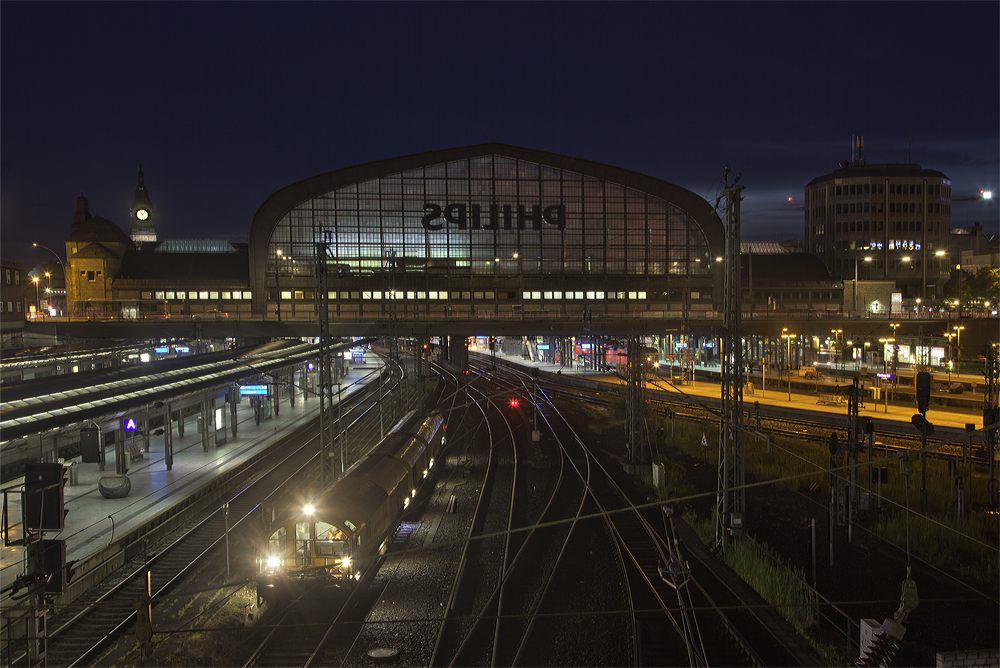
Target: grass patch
{"type": "Point", "coordinates": [779, 584]}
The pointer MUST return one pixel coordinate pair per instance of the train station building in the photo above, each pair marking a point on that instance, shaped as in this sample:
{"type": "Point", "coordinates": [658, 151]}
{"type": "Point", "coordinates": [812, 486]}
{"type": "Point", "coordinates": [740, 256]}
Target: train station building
{"type": "Point", "coordinates": [486, 229]}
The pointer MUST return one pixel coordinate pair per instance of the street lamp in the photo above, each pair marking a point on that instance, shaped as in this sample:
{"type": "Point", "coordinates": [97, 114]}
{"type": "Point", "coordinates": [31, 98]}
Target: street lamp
{"type": "Point", "coordinates": [61, 266]}
{"type": "Point", "coordinates": [958, 348]}
{"type": "Point", "coordinates": [867, 259]}
{"type": "Point", "coordinates": [836, 345]}
{"type": "Point", "coordinates": [788, 358]}
{"type": "Point", "coordinates": [948, 336]}
{"type": "Point", "coordinates": [34, 279]}
{"type": "Point", "coordinates": [938, 254]}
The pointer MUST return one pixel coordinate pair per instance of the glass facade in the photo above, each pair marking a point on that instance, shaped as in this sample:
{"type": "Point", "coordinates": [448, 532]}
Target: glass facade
{"type": "Point", "coordinates": [490, 215]}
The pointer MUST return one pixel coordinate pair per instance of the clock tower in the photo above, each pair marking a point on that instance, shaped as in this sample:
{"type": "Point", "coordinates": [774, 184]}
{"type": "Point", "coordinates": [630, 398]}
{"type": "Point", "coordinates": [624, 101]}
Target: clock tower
{"type": "Point", "coordinates": [141, 214]}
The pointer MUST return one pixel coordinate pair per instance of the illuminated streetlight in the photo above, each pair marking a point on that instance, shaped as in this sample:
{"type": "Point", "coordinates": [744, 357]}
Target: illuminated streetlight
{"type": "Point", "coordinates": [788, 358]}
{"type": "Point", "coordinates": [958, 347]}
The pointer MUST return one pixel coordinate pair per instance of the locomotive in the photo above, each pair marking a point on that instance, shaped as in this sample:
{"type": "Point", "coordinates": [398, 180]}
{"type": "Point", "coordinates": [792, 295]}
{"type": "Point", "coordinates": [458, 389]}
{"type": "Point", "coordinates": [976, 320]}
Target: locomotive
{"type": "Point", "coordinates": [325, 547]}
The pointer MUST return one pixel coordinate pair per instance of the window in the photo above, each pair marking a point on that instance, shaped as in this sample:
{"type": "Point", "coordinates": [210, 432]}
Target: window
{"type": "Point", "coordinates": [17, 278]}
{"type": "Point", "coordinates": [286, 294]}
{"type": "Point", "coordinates": [7, 275]}
{"type": "Point", "coordinates": [298, 295]}
{"type": "Point", "coordinates": [91, 277]}
{"type": "Point", "coordinates": [10, 307]}
{"type": "Point", "coordinates": [18, 307]}
{"type": "Point", "coordinates": [247, 294]}
{"type": "Point", "coordinates": [213, 295]}
{"type": "Point", "coordinates": [203, 294]}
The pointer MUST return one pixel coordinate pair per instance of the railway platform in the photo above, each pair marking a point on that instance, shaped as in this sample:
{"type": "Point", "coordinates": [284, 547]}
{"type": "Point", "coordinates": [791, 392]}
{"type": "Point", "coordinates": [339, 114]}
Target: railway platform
{"type": "Point", "coordinates": [776, 399]}
{"type": "Point", "coordinates": [95, 522]}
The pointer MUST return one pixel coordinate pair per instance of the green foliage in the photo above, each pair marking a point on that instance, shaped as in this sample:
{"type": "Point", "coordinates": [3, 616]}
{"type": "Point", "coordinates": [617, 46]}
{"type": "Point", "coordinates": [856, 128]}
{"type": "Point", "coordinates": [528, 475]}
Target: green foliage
{"type": "Point", "coordinates": [772, 578]}
{"type": "Point", "coordinates": [981, 286]}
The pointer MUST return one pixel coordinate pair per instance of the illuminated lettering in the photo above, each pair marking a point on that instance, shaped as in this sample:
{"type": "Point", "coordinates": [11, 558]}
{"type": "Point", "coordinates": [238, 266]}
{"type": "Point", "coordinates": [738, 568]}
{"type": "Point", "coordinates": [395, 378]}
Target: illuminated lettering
{"type": "Point", "coordinates": [496, 217]}
{"type": "Point", "coordinates": [431, 213]}
{"type": "Point", "coordinates": [455, 214]}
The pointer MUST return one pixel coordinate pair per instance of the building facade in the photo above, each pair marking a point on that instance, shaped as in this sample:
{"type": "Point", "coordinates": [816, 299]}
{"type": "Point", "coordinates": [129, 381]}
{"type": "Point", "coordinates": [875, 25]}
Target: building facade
{"type": "Point", "coordinates": [485, 230]}
{"type": "Point", "coordinates": [882, 222]}
{"type": "Point", "coordinates": [13, 300]}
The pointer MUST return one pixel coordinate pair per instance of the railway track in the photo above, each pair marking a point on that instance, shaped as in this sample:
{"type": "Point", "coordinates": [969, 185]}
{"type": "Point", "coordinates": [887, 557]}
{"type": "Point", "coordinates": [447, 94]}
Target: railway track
{"type": "Point", "coordinates": [107, 613]}
{"type": "Point", "coordinates": [663, 589]}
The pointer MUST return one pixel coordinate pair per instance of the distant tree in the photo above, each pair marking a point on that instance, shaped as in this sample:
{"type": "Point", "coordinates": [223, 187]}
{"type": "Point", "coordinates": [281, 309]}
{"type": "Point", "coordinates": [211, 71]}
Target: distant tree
{"type": "Point", "coordinates": [978, 287]}
{"type": "Point", "coordinates": [986, 285]}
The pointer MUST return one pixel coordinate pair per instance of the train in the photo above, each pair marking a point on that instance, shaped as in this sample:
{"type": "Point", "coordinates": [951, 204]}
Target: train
{"type": "Point", "coordinates": [323, 548]}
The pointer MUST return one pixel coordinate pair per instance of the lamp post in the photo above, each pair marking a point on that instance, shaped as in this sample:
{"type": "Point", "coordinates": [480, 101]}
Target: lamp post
{"type": "Point", "coordinates": [958, 348]}
{"type": "Point", "coordinates": [61, 266]}
{"type": "Point", "coordinates": [836, 346]}
{"type": "Point", "coordinates": [958, 302]}
{"type": "Point", "coordinates": [34, 279]}
{"type": "Point", "coordinates": [938, 254]}
{"type": "Point", "coordinates": [277, 284]}
{"type": "Point", "coordinates": [948, 336]}
{"type": "Point", "coordinates": [788, 359]}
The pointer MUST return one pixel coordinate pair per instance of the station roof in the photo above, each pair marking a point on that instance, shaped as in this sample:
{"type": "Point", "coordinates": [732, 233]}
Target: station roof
{"type": "Point", "coordinates": [152, 263]}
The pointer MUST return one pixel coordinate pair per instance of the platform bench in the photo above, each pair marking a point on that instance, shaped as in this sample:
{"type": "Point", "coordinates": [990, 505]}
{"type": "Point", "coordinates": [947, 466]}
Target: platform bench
{"type": "Point", "coordinates": [831, 399]}
{"type": "Point", "coordinates": [134, 450]}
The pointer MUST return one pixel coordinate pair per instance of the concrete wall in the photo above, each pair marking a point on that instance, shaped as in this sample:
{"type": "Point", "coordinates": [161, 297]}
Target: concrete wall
{"type": "Point", "coordinates": [984, 658]}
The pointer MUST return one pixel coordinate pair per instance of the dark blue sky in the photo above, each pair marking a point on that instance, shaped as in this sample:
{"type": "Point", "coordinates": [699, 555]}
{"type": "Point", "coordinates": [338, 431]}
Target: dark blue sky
{"type": "Point", "coordinates": [227, 102]}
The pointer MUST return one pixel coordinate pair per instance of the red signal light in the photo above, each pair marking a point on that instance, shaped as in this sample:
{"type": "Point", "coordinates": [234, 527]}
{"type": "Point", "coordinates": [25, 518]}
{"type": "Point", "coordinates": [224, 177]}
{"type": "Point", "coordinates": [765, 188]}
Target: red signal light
{"type": "Point", "coordinates": [514, 403]}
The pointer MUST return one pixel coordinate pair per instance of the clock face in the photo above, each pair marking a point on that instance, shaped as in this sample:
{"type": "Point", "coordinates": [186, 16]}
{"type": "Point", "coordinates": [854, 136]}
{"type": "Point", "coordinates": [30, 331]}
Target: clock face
{"type": "Point", "coordinates": [142, 214]}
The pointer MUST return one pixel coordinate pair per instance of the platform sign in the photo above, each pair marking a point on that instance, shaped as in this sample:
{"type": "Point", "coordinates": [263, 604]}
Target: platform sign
{"type": "Point", "coordinates": [162, 351]}
{"type": "Point", "coordinates": [251, 390]}
{"type": "Point", "coordinates": [884, 376]}
{"type": "Point", "coordinates": [181, 349]}
{"type": "Point", "coordinates": [542, 346]}
{"type": "Point", "coordinates": [128, 424]}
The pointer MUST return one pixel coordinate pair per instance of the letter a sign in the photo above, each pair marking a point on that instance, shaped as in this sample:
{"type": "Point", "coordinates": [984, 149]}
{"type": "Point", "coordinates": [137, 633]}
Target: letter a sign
{"type": "Point", "coordinates": [129, 424]}
{"type": "Point", "coordinates": [704, 441]}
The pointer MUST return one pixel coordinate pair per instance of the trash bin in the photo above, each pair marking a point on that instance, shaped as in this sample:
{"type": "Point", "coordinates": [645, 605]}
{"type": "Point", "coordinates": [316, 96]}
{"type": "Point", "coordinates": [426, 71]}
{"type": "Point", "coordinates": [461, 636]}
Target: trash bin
{"type": "Point", "coordinates": [74, 474]}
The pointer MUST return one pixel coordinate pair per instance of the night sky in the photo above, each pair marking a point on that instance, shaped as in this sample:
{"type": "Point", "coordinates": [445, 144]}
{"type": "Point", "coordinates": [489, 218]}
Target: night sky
{"type": "Point", "coordinates": [224, 103]}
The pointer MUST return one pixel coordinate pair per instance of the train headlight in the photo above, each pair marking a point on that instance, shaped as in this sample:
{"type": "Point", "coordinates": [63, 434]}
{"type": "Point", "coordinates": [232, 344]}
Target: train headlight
{"type": "Point", "coordinates": [309, 510]}
{"type": "Point", "coordinates": [346, 562]}
{"type": "Point", "coordinates": [273, 562]}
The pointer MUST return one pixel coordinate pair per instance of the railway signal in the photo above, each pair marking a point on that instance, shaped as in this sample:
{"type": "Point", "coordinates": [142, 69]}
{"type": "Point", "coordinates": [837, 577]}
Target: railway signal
{"type": "Point", "coordinates": [44, 500]}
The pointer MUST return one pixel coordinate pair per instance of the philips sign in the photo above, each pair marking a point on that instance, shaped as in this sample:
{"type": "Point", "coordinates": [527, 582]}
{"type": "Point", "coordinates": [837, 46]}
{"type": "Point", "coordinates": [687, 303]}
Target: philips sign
{"type": "Point", "coordinates": [493, 217]}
